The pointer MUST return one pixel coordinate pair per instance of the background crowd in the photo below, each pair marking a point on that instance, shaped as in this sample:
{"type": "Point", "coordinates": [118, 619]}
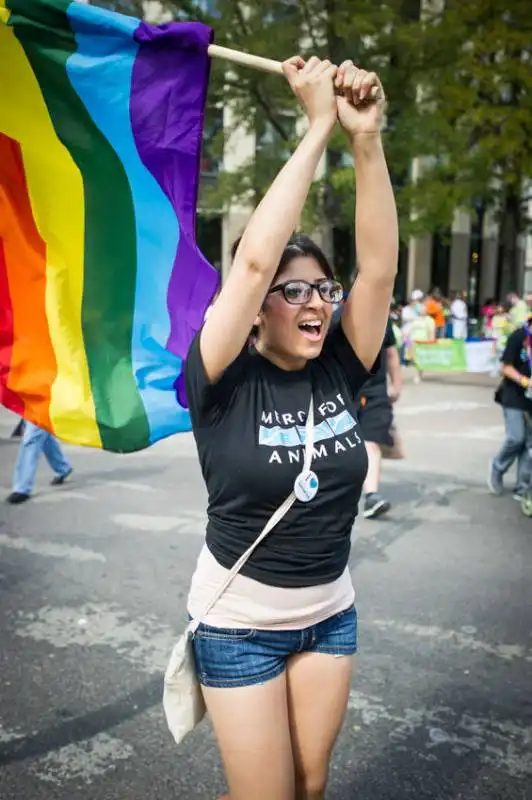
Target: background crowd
{"type": "Point", "coordinates": [431, 316]}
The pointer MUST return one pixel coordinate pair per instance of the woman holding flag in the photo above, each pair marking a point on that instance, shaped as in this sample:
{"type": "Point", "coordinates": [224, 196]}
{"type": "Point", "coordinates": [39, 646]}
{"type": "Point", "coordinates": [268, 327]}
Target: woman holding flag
{"type": "Point", "coordinates": [274, 654]}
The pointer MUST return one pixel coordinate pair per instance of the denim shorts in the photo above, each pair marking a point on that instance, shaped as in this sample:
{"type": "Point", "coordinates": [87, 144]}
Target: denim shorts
{"type": "Point", "coordinates": [227, 657]}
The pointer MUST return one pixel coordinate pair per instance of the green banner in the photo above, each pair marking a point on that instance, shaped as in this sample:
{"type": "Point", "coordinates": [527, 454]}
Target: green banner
{"type": "Point", "coordinates": [444, 355]}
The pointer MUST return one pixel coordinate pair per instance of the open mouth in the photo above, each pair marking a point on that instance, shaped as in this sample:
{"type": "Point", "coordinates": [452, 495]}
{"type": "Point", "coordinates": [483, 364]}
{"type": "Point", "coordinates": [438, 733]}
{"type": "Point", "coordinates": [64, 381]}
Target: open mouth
{"type": "Point", "coordinates": [311, 329]}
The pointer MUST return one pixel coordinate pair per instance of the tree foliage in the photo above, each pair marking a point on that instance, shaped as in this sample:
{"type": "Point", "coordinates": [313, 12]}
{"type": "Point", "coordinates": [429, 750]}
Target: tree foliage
{"type": "Point", "coordinates": [475, 119]}
{"type": "Point", "coordinates": [459, 87]}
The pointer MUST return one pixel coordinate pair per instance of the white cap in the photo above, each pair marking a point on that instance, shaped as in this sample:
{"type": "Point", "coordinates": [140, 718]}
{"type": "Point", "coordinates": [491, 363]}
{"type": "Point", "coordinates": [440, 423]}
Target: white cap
{"type": "Point", "coordinates": [417, 294]}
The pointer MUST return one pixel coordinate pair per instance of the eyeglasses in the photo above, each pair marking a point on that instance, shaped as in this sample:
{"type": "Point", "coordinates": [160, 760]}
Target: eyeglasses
{"type": "Point", "coordinates": [299, 292]}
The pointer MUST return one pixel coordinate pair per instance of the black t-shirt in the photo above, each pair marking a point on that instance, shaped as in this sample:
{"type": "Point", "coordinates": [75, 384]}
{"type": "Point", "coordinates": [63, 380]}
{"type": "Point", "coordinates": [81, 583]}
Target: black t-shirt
{"type": "Point", "coordinates": [250, 431]}
{"type": "Point", "coordinates": [517, 354]}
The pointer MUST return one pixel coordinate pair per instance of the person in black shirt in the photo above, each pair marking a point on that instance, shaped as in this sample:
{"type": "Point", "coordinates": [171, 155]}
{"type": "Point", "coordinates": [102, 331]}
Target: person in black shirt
{"type": "Point", "coordinates": [274, 655]}
{"type": "Point", "coordinates": [376, 420]}
{"type": "Point", "coordinates": [375, 414]}
{"type": "Point", "coordinates": [515, 397]}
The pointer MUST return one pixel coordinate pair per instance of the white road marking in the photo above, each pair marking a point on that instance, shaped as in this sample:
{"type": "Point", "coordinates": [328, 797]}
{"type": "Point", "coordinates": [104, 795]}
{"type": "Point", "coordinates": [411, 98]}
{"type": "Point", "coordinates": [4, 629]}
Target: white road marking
{"type": "Point", "coordinates": [437, 514]}
{"type": "Point", "coordinates": [501, 744]}
{"type": "Point", "coordinates": [61, 496]}
{"type": "Point", "coordinates": [146, 522]}
{"type": "Point", "coordinates": [83, 761]}
{"type": "Point", "coordinates": [49, 549]}
{"type": "Point", "coordinates": [7, 735]}
{"type": "Point", "coordinates": [144, 641]}
{"type": "Point", "coordinates": [180, 445]}
{"type": "Point", "coordinates": [188, 522]}
{"type": "Point", "coordinates": [443, 406]}
{"type": "Point", "coordinates": [133, 487]}
{"type": "Point", "coordinates": [492, 433]}
{"type": "Point", "coordinates": [464, 639]}
{"type": "Point", "coordinates": [193, 522]}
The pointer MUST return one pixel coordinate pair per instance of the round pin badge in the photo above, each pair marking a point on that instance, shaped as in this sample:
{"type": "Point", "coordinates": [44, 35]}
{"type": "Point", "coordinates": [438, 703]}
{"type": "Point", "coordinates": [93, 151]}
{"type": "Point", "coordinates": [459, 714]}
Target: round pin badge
{"type": "Point", "coordinates": [306, 486]}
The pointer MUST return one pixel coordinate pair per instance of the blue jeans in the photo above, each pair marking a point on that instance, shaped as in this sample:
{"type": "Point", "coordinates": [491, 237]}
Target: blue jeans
{"type": "Point", "coordinates": [231, 657]}
{"type": "Point", "coordinates": [517, 447]}
{"type": "Point", "coordinates": [35, 442]}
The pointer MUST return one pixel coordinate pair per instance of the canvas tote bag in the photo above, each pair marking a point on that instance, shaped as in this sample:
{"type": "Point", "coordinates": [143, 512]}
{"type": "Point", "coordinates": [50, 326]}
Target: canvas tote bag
{"type": "Point", "coordinates": [183, 703]}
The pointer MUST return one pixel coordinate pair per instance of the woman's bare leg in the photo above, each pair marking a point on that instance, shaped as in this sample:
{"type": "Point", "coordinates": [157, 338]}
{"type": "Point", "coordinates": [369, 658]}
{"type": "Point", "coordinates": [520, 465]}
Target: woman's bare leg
{"type": "Point", "coordinates": [252, 729]}
{"type": "Point", "coordinates": [318, 690]}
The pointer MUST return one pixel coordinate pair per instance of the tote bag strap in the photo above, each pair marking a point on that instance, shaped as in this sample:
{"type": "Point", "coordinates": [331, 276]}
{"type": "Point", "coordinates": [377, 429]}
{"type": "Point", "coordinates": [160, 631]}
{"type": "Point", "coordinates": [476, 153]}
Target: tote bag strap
{"type": "Point", "coordinates": [270, 525]}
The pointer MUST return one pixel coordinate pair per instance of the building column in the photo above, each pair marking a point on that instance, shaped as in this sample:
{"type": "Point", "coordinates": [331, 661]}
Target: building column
{"type": "Point", "coordinates": [527, 276]}
{"type": "Point", "coordinates": [490, 247]}
{"type": "Point", "coordinates": [419, 264]}
{"type": "Point", "coordinates": [239, 147]}
{"type": "Point", "coordinates": [419, 250]}
{"type": "Point", "coordinates": [460, 243]}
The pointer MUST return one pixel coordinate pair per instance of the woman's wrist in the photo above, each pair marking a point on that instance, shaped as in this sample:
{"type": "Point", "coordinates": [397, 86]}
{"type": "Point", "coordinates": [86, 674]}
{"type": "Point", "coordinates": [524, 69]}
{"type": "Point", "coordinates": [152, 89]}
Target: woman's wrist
{"type": "Point", "coordinates": [322, 126]}
{"type": "Point", "coordinates": [365, 143]}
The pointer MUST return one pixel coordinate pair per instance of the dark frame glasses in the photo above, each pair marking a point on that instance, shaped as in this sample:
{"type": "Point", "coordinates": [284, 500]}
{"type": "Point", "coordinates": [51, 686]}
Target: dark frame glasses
{"type": "Point", "coordinates": [299, 292]}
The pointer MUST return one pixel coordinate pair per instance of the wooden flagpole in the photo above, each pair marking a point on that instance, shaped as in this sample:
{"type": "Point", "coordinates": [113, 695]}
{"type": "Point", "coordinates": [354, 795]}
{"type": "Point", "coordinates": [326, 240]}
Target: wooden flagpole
{"type": "Point", "coordinates": [258, 62]}
{"type": "Point", "coordinates": [245, 59]}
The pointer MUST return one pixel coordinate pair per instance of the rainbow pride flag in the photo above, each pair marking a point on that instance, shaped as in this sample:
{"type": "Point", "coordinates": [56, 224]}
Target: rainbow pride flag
{"type": "Point", "coordinates": [102, 286]}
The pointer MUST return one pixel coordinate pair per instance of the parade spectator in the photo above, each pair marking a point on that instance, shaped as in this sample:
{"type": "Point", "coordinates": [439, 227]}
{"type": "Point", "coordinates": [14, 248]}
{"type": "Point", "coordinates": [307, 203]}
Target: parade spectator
{"type": "Point", "coordinates": [486, 313]}
{"type": "Point", "coordinates": [410, 313]}
{"type": "Point", "coordinates": [412, 309]}
{"type": "Point", "coordinates": [434, 308]}
{"type": "Point", "coordinates": [376, 421]}
{"type": "Point", "coordinates": [518, 310]}
{"type": "Point", "coordinates": [515, 397]}
{"type": "Point", "coordinates": [423, 327]}
{"type": "Point", "coordinates": [448, 333]}
{"type": "Point", "coordinates": [36, 441]}
{"type": "Point", "coordinates": [501, 327]}
{"type": "Point", "coordinates": [395, 319]}
{"type": "Point", "coordinates": [459, 316]}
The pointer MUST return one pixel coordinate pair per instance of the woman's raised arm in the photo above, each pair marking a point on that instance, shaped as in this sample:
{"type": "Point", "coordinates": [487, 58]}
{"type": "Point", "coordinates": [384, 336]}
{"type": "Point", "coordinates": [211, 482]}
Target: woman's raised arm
{"type": "Point", "coordinates": [376, 229]}
{"type": "Point", "coordinates": [232, 316]}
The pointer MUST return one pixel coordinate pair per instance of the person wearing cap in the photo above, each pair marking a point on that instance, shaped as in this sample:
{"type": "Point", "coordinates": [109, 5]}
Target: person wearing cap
{"type": "Point", "coordinates": [459, 316]}
{"type": "Point", "coordinates": [411, 310]}
{"type": "Point", "coordinates": [515, 396]}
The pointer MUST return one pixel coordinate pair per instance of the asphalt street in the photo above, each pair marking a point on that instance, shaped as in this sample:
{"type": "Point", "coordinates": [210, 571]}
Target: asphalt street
{"type": "Point", "coordinates": [93, 582]}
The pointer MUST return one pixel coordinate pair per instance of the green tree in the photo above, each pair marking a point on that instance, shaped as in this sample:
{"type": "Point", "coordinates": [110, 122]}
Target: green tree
{"type": "Point", "coordinates": [458, 83]}
{"type": "Point", "coordinates": [377, 36]}
{"type": "Point", "coordinates": [474, 120]}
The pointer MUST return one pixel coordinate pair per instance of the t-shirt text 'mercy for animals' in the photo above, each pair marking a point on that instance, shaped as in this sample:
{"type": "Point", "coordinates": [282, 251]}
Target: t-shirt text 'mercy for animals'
{"type": "Point", "coordinates": [288, 441]}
